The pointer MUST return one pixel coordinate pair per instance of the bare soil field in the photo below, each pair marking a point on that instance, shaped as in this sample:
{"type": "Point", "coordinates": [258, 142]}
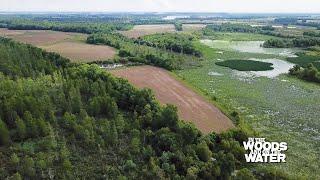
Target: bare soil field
{"type": "Point", "coordinates": [82, 52]}
{"type": "Point", "coordinates": [70, 45]}
{"type": "Point", "coordinates": [40, 37]}
{"type": "Point", "coordinates": [191, 106]}
{"type": "Point", "coordinates": [142, 30]}
{"type": "Point", "coordinates": [193, 27]}
{"type": "Point", "coordinates": [6, 32]}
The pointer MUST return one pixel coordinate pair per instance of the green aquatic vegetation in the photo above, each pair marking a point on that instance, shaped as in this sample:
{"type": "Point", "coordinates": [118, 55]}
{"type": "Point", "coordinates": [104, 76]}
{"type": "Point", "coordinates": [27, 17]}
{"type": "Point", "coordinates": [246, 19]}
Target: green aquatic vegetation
{"type": "Point", "coordinates": [248, 46]}
{"type": "Point", "coordinates": [303, 60]}
{"type": "Point", "coordinates": [283, 108]}
{"type": "Point", "coordinates": [239, 36]}
{"type": "Point", "coordinates": [224, 53]}
{"type": "Point", "coordinates": [246, 65]}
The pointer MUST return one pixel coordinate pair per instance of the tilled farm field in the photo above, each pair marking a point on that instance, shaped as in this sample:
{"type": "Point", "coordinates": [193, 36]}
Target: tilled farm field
{"type": "Point", "coordinates": [70, 45]}
{"type": "Point", "coordinates": [82, 52]}
{"type": "Point", "coordinates": [191, 106]}
{"type": "Point", "coordinates": [142, 30]}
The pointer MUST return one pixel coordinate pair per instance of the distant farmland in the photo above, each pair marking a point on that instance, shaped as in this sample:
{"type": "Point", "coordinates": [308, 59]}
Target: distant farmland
{"type": "Point", "coordinates": [142, 30]}
{"type": "Point", "coordinates": [82, 52]}
{"type": "Point", "coordinates": [40, 37]}
{"type": "Point", "coordinates": [191, 106]}
{"type": "Point", "coordinates": [70, 45]}
{"type": "Point", "coordinates": [193, 27]}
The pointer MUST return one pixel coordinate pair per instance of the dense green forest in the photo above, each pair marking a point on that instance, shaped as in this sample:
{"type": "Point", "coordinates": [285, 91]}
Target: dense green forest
{"type": "Point", "coordinates": [307, 67]}
{"type": "Point", "coordinates": [312, 33]}
{"type": "Point", "coordinates": [302, 42]}
{"type": "Point", "coordinates": [75, 121]}
{"type": "Point", "coordinates": [80, 27]}
{"type": "Point", "coordinates": [282, 41]}
{"type": "Point", "coordinates": [277, 43]}
{"type": "Point", "coordinates": [134, 51]}
{"type": "Point", "coordinates": [176, 42]}
{"type": "Point", "coordinates": [296, 21]}
{"type": "Point", "coordinates": [308, 73]}
{"type": "Point", "coordinates": [243, 28]}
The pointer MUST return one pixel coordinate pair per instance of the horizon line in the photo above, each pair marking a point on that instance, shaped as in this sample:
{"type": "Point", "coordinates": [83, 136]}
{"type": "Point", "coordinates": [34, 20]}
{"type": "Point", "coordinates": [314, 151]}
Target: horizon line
{"type": "Point", "coordinates": [163, 12]}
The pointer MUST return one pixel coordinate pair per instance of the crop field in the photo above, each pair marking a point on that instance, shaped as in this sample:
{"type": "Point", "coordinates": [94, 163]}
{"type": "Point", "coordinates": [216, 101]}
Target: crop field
{"type": "Point", "coordinates": [193, 27]}
{"type": "Point", "coordinates": [81, 52]}
{"type": "Point", "coordinates": [70, 45]}
{"type": "Point", "coordinates": [191, 106]}
{"type": "Point", "coordinates": [142, 30]}
{"type": "Point", "coordinates": [275, 107]}
{"type": "Point", "coordinates": [39, 37]}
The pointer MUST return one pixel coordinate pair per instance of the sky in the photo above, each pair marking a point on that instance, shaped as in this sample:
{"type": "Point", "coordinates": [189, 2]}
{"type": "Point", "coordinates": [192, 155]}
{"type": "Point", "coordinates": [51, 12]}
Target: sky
{"type": "Point", "coordinates": [236, 6]}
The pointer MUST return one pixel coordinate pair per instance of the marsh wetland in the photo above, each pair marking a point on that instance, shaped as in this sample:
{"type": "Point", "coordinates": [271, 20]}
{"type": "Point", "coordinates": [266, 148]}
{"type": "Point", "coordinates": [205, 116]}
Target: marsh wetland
{"type": "Point", "coordinates": [279, 107]}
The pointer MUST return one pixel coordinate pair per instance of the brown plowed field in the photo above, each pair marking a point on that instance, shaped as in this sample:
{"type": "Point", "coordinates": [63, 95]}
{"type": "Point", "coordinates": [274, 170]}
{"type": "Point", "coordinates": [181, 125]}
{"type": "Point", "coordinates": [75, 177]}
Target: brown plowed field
{"type": "Point", "coordinates": [191, 106]}
{"type": "Point", "coordinates": [142, 30]}
{"type": "Point", "coordinates": [70, 45]}
{"type": "Point", "coordinates": [193, 27]}
{"type": "Point", "coordinates": [39, 37]}
{"type": "Point", "coordinates": [81, 52]}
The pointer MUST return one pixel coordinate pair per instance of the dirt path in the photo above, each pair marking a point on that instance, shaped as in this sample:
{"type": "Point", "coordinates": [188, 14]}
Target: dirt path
{"type": "Point", "coordinates": [191, 106]}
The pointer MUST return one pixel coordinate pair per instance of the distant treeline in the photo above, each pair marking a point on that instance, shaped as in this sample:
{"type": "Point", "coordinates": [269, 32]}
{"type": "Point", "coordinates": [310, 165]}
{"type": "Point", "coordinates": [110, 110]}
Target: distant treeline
{"type": "Point", "coordinates": [113, 18]}
{"type": "Point", "coordinates": [296, 21]}
{"type": "Point", "coordinates": [312, 33]}
{"type": "Point", "coordinates": [87, 27]}
{"type": "Point", "coordinates": [242, 28]}
{"type": "Point", "coordinates": [133, 51]}
{"type": "Point", "coordinates": [302, 42]}
{"type": "Point", "coordinates": [230, 27]}
{"type": "Point", "coordinates": [176, 42]}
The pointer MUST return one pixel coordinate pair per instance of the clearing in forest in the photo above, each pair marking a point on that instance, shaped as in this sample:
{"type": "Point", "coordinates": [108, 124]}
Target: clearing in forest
{"type": "Point", "coordinates": [191, 106]}
{"type": "Point", "coordinates": [142, 30]}
{"type": "Point", "coordinates": [70, 45]}
{"type": "Point", "coordinates": [193, 27]}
